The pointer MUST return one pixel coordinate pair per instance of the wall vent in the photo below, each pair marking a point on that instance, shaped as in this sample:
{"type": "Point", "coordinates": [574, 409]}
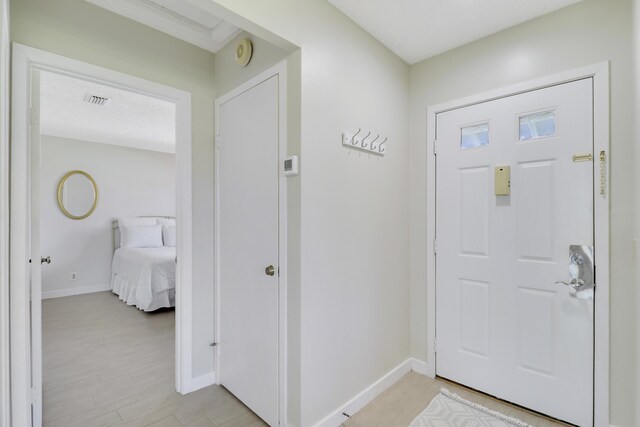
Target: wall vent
{"type": "Point", "coordinates": [97, 100]}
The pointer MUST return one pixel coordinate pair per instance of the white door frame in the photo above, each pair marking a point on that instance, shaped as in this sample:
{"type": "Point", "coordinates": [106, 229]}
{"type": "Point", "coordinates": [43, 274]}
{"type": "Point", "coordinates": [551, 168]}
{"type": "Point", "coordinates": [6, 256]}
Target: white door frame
{"type": "Point", "coordinates": [5, 395]}
{"type": "Point", "coordinates": [281, 71]}
{"type": "Point", "coordinates": [26, 59]}
{"type": "Point", "coordinates": [600, 74]}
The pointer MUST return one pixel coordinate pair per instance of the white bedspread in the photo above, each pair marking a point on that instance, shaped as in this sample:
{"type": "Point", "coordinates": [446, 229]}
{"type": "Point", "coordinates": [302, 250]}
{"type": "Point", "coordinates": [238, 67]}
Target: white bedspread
{"type": "Point", "coordinates": [145, 277]}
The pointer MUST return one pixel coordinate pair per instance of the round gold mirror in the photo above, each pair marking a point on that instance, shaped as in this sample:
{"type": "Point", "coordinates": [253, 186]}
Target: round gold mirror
{"type": "Point", "coordinates": [77, 195]}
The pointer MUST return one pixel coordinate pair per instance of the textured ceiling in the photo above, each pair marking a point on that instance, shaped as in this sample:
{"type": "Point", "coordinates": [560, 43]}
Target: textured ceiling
{"type": "Point", "coordinates": [129, 119]}
{"type": "Point", "coordinates": [418, 29]}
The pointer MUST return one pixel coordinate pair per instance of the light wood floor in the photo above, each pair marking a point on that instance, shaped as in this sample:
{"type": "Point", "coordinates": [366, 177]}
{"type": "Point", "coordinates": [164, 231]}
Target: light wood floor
{"type": "Point", "coordinates": [107, 364]}
{"type": "Point", "coordinates": [404, 401]}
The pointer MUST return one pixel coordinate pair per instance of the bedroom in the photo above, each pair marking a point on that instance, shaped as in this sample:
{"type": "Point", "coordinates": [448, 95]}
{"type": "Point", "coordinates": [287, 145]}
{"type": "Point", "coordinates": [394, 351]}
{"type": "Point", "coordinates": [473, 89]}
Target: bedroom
{"type": "Point", "coordinates": [107, 222]}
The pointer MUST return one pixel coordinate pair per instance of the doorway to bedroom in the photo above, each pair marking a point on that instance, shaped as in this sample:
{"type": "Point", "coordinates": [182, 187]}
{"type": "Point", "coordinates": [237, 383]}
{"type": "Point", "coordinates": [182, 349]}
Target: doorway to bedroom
{"type": "Point", "coordinates": [108, 238]}
{"type": "Point", "coordinates": [105, 168]}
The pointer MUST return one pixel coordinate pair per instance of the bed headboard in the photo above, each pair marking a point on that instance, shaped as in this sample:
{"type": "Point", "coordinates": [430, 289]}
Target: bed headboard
{"type": "Point", "coordinates": [116, 228]}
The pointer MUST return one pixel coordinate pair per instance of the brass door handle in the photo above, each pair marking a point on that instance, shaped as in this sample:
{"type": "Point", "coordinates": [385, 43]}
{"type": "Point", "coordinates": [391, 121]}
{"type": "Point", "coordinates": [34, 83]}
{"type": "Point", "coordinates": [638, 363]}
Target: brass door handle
{"type": "Point", "coordinates": [270, 270]}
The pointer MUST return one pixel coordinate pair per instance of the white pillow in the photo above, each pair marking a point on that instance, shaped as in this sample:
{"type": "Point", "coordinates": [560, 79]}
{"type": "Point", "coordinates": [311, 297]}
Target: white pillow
{"type": "Point", "coordinates": [133, 221]}
{"type": "Point", "coordinates": [169, 235]}
{"type": "Point", "coordinates": [141, 236]}
{"type": "Point", "coordinates": [166, 221]}
{"type": "Point", "coordinates": [137, 220]}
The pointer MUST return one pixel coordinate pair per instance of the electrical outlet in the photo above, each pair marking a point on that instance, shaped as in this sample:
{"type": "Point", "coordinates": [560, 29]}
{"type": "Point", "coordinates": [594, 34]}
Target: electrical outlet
{"type": "Point", "coordinates": [74, 276]}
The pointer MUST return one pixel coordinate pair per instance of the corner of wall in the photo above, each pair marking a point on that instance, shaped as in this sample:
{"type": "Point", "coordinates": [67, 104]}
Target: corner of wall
{"type": "Point", "coordinates": [636, 147]}
{"type": "Point", "coordinates": [294, 187]}
{"type": "Point", "coordinates": [5, 401]}
{"type": "Point", "coordinates": [228, 74]}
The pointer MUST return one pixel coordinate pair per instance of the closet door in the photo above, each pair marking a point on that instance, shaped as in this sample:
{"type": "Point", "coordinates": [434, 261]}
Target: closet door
{"type": "Point", "coordinates": [248, 247]}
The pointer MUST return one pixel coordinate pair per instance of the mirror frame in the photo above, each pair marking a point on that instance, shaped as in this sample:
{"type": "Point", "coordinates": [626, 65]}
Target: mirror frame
{"type": "Point", "coordinates": [60, 189]}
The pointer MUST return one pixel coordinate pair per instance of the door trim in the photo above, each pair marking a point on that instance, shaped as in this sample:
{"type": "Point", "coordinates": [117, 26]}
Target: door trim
{"type": "Point", "coordinates": [279, 70]}
{"type": "Point", "coordinates": [26, 59]}
{"type": "Point", "coordinates": [600, 74]}
{"type": "Point", "coordinates": [5, 395]}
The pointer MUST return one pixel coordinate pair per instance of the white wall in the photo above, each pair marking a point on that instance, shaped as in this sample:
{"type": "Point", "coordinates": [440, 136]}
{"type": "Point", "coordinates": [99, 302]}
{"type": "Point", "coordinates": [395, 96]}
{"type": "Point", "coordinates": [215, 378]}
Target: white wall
{"type": "Point", "coordinates": [4, 214]}
{"type": "Point", "coordinates": [354, 301]}
{"type": "Point", "coordinates": [589, 32]}
{"type": "Point", "coordinates": [130, 182]}
{"type": "Point", "coordinates": [82, 31]}
{"type": "Point", "coordinates": [636, 147]}
{"type": "Point", "coordinates": [355, 222]}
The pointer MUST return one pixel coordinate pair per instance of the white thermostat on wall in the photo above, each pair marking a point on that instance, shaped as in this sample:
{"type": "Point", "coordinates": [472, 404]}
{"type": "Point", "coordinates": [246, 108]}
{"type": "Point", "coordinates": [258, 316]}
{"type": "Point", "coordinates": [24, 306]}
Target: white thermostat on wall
{"type": "Point", "coordinates": [290, 166]}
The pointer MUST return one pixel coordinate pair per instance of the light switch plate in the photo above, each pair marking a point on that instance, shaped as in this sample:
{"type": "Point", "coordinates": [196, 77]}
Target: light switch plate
{"type": "Point", "coordinates": [503, 180]}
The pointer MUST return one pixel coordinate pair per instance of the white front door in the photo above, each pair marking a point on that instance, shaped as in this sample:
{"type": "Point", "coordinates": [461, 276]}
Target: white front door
{"type": "Point", "coordinates": [504, 326]}
{"type": "Point", "coordinates": [248, 247]}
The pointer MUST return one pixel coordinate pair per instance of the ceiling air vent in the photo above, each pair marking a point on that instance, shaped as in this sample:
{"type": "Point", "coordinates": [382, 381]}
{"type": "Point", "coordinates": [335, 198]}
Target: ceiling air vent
{"type": "Point", "coordinates": [96, 100]}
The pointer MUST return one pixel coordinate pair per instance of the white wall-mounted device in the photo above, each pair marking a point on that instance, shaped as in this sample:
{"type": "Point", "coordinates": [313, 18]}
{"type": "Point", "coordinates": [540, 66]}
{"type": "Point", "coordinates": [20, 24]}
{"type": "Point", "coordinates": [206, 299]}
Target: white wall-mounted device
{"type": "Point", "coordinates": [290, 166]}
{"type": "Point", "coordinates": [244, 51]}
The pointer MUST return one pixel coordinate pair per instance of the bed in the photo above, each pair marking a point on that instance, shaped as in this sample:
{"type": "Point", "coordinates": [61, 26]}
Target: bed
{"type": "Point", "coordinates": [143, 271]}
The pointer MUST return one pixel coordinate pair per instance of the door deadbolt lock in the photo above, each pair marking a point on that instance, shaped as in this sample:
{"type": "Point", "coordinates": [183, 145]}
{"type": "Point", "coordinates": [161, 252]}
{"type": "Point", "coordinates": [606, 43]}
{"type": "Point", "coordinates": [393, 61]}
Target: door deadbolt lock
{"type": "Point", "coordinates": [270, 270]}
{"type": "Point", "coordinates": [581, 272]}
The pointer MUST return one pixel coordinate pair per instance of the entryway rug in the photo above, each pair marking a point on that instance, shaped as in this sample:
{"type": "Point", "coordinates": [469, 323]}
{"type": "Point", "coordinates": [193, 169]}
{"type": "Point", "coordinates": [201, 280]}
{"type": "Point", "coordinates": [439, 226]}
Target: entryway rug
{"type": "Point", "coordinates": [449, 409]}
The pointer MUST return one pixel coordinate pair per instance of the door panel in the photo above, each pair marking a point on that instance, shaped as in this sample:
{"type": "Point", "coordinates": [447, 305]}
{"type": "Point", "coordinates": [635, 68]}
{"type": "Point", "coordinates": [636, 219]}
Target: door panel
{"type": "Point", "coordinates": [248, 243]}
{"type": "Point", "coordinates": [503, 324]}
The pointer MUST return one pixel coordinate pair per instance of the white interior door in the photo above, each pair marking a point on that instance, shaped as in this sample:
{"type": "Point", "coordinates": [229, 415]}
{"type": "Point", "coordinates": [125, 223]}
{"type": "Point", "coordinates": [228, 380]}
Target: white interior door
{"type": "Point", "coordinates": [503, 324]}
{"type": "Point", "coordinates": [36, 265]}
{"type": "Point", "coordinates": [248, 247]}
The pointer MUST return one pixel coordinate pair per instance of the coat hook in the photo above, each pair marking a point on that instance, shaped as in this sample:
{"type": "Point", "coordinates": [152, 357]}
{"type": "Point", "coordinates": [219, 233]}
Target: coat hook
{"type": "Point", "coordinates": [353, 138]}
{"type": "Point", "coordinates": [373, 146]}
{"type": "Point", "coordinates": [364, 144]}
{"type": "Point", "coordinates": [380, 147]}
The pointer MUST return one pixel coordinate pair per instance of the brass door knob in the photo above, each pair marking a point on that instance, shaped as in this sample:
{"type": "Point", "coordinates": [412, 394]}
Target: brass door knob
{"type": "Point", "coordinates": [270, 270]}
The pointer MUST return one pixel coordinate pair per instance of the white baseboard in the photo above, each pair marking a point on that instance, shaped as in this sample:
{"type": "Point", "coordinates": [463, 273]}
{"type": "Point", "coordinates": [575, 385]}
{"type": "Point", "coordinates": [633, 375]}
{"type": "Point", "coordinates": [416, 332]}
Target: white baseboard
{"type": "Point", "coordinates": [420, 367]}
{"type": "Point", "coordinates": [336, 418]}
{"type": "Point", "coordinates": [200, 382]}
{"type": "Point", "coordinates": [75, 291]}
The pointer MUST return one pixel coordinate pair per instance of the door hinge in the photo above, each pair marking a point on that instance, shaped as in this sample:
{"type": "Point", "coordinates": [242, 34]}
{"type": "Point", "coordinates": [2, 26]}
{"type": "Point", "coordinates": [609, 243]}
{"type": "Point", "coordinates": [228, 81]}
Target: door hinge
{"type": "Point", "coordinates": [34, 396]}
{"type": "Point", "coordinates": [435, 246]}
{"type": "Point", "coordinates": [435, 147]}
{"type": "Point", "coordinates": [218, 144]}
{"type": "Point", "coordinates": [435, 345]}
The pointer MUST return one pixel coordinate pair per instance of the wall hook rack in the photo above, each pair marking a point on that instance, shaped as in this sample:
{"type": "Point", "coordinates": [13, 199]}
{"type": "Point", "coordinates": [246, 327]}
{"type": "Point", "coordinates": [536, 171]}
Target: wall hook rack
{"type": "Point", "coordinates": [353, 140]}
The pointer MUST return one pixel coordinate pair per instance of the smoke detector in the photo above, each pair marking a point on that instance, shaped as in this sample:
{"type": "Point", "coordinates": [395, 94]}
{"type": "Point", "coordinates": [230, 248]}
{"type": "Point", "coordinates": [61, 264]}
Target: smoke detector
{"type": "Point", "coordinates": [96, 100]}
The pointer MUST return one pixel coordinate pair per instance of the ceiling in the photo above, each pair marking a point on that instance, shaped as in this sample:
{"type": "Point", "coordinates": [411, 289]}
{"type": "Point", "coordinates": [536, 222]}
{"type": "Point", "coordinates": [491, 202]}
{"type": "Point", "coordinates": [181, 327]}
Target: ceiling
{"type": "Point", "coordinates": [177, 18]}
{"type": "Point", "coordinates": [419, 29]}
{"type": "Point", "coordinates": [128, 119]}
